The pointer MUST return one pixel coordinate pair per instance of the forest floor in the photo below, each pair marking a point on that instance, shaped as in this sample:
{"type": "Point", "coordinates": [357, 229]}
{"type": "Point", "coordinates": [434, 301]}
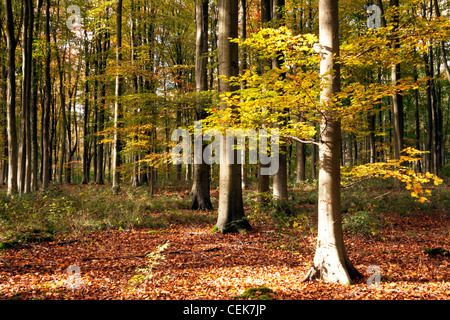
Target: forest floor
{"type": "Point", "coordinates": [123, 262]}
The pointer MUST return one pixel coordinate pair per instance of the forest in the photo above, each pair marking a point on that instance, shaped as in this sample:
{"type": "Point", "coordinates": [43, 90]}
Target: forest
{"type": "Point", "coordinates": [225, 149]}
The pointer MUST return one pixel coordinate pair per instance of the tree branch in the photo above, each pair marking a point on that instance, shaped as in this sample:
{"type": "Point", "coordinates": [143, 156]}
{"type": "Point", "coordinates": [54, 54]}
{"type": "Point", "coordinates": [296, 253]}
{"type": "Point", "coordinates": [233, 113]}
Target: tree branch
{"type": "Point", "coordinates": [300, 140]}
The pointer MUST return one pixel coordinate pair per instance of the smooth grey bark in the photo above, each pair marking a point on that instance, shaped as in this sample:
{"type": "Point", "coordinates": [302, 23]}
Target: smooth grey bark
{"type": "Point", "coordinates": [280, 178]}
{"type": "Point", "coordinates": [11, 100]}
{"type": "Point", "coordinates": [46, 111]}
{"type": "Point", "coordinates": [231, 217]}
{"type": "Point", "coordinates": [263, 185]}
{"type": "Point", "coordinates": [24, 166]}
{"type": "Point", "coordinates": [243, 67]}
{"type": "Point", "coordinates": [118, 112]}
{"type": "Point", "coordinates": [331, 262]}
{"type": "Point", "coordinates": [201, 199]}
{"type": "Point", "coordinates": [397, 99]}
{"type": "Point", "coordinates": [62, 98]}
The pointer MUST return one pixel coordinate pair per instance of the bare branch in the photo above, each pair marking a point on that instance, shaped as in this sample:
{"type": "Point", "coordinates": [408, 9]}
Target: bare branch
{"type": "Point", "coordinates": [300, 140]}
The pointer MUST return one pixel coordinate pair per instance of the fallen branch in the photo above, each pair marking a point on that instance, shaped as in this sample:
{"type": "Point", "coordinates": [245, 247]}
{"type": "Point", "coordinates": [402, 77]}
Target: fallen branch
{"type": "Point", "coordinates": [382, 195]}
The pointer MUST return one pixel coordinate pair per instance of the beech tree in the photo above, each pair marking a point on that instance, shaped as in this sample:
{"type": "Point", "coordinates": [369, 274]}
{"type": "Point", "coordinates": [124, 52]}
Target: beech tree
{"type": "Point", "coordinates": [118, 112]}
{"type": "Point", "coordinates": [264, 180]}
{"type": "Point", "coordinates": [331, 261]}
{"type": "Point", "coordinates": [231, 215]}
{"type": "Point", "coordinates": [24, 166]}
{"type": "Point", "coordinates": [397, 100]}
{"type": "Point", "coordinates": [11, 99]}
{"type": "Point", "coordinates": [200, 190]}
{"type": "Point", "coordinates": [46, 147]}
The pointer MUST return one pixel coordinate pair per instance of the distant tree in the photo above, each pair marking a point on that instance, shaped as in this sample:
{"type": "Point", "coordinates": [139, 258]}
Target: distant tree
{"type": "Point", "coordinates": [11, 99]}
{"type": "Point", "coordinates": [118, 112]}
{"type": "Point", "coordinates": [46, 146]}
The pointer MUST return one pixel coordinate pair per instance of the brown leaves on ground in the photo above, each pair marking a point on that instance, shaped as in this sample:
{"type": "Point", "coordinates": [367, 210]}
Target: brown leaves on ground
{"type": "Point", "coordinates": [200, 264]}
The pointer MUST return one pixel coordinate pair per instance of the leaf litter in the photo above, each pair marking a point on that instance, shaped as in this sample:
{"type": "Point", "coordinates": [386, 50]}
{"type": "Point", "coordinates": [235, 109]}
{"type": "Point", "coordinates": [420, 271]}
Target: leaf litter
{"type": "Point", "coordinates": [200, 264]}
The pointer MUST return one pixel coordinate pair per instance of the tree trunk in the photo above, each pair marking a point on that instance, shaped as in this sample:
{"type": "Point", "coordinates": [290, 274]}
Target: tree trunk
{"type": "Point", "coordinates": [24, 167]}
{"type": "Point", "coordinates": [417, 120]}
{"type": "Point", "coordinates": [101, 112]}
{"type": "Point", "coordinates": [231, 217]}
{"type": "Point", "coordinates": [263, 180]}
{"type": "Point", "coordinates": [243, 67]}
{"type": "Point", "coordinates": [280, 178]}
{"type": "Point", "coordinates": [4, 126]}
{"type": "Point", "coordinates": [331, 262]}
{"type": "Point", "coordinates": [46, 111]}
{"type": "Point", "coordinates": [201, 189]}
{"type": "Point", "coordinates": [135, 88]}
{"type": "Point", "coordinates": [397, 100]}
{"type": "Point", "coordinates": [86, 143]}
{"type": "Point", "coordinates": [442, 44]}
{"type": "Point", "coordinates": [117, 144]}
{"type": "Point", "coordinates": [34, 103]}
{"type": "Point", "coordinates": [301, 162]}
{"type": "Point", "coordinates": [314, 161]}
{"type": "Point", "coordinates": [62, 99]}
{"type": "Point", "coordinates": [11, 100]}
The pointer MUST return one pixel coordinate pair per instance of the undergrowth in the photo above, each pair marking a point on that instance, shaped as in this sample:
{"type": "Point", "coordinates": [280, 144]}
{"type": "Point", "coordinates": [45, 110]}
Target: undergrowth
{"type": "Point", "coordinates": [78, 209]}
{"type": "Point", "coordinates": [39, 216]}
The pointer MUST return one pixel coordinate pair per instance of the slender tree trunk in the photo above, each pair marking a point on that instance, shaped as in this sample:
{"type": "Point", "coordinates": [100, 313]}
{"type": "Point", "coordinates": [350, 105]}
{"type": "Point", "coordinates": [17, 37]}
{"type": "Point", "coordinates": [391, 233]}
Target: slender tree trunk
{"type": "Point", "coordinates": [24, 167]}
{"type": "Point", "coordinates": [34, 123]}
{"type": "Point", "coordinates": [101, 112]}
{"type": "Point", "coordinates": [95, 126]}
{"type": "Point", "coordinates": [243, 67]}
{"type": "Point", "coordinates": [434, 119]}
{"type": "Point", "coordinates": [417, 120]}
{"type": "Point", "coordinates": [331, 262]}
{"type": "Point", "coordinates": [314, 159]}
{"type": "Point", "coordinates": [201, 189]}
{"type": "Point", "coordinates": [46, 111]}
{"type": "Point", "coordinates": [231, 217]}
{"type": "Point", "coordinates": [397, 100]}
{"type": "Point", "coordinates": [11, 100]}
{"type": "Point", "coordinates": [301, 162]}
{"type": "Point", "coordinates": [118, 112]}
{"type": "Point", "coordinates": [280, 178]}
{"type": "Point", "coordinates": [86, 143]}
{"type": "Point", "coordinates": [263, 180]}
{"type": "Point", "coordinates": [135, 88]}
{"type": "Point", "coordinates": [62, 99]}
{"type": "Point", "coordinates": [4, 126]}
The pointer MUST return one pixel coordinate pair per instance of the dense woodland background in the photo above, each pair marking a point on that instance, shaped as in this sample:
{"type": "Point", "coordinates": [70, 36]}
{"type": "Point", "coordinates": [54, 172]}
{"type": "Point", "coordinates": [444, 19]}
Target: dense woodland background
{"type": "Point", "coordinates": [91, 91]}
{"type": "Point", "coordinates": [64, 94]}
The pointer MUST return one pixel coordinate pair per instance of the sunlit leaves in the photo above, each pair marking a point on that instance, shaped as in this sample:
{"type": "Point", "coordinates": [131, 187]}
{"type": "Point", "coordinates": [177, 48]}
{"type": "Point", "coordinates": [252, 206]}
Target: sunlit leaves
{"type": "Point", "coordinates": [399, 169]}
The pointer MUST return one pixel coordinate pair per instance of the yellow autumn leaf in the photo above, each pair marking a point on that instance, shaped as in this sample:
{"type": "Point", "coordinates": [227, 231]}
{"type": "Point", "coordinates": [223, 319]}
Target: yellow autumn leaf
{"type": "Point", "coordinates": [422, 199]}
